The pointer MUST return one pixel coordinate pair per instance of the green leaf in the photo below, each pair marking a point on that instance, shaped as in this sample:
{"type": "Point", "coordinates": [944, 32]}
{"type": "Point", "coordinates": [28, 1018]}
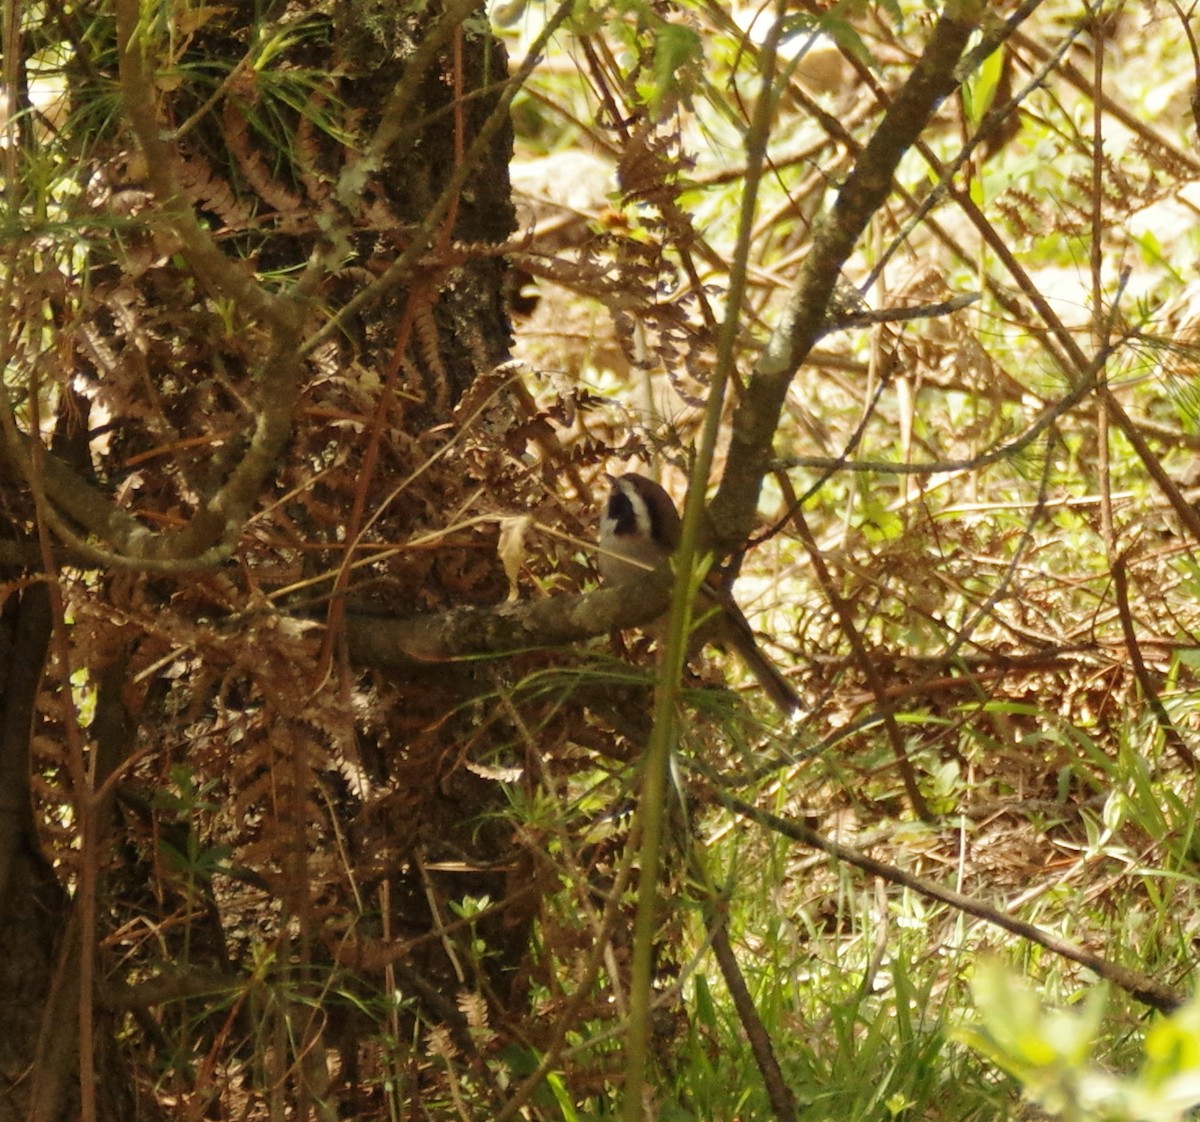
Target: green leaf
{"type": "Point", "coordinates": [675, 47]}
{"type": "Point", "coordinates": [979, 91]}
{"type": "Point", "coordinates": [846, 36]}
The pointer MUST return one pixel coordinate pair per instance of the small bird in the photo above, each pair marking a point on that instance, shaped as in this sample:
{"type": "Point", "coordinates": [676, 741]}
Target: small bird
{"type": "Point", "coordinates": [639, 530]}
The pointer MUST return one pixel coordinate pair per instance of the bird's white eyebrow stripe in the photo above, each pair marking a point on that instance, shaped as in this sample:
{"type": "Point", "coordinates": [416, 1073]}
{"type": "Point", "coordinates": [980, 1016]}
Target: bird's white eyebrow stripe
{"type": "Point", "coordinates": [653, 516]}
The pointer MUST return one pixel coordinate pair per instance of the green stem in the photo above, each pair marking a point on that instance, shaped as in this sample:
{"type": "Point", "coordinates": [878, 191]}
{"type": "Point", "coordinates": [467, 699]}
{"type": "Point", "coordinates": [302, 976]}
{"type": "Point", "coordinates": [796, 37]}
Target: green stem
{"type": "Point", "coordinates": [652, 808]}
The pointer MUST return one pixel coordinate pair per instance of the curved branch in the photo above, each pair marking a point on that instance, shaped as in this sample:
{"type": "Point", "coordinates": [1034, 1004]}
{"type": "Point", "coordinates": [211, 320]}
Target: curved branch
{"type": "Point", "coordinates": [211, 534]}
{"type": "Point", "coordinates": [120, 540]}
{"type": "Point", "coordinates": [205, 257]}
{"type": "Point", "coordinates": [469, 632]}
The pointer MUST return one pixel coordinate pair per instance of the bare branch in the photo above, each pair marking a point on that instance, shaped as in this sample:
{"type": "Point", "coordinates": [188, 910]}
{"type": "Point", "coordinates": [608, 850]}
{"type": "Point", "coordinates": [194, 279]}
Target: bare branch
{"type": "Point", "coordinates": [470, 631]}
{"type": "Point", "coordinates": [803, 319]}
{"type": "Point", "coordinates": [1145, 989]}
{"type": "Point", "coordinates": [210, 265]}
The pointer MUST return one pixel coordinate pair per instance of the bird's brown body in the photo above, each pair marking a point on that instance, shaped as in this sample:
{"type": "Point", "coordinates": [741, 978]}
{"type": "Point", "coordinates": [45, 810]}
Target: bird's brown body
{"type": "Point", "coordinates": [639, 531]}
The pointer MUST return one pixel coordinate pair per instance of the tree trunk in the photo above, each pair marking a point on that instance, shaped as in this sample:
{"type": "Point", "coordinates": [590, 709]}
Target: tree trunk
{"type": "Point", "coordinates": [228, 735]}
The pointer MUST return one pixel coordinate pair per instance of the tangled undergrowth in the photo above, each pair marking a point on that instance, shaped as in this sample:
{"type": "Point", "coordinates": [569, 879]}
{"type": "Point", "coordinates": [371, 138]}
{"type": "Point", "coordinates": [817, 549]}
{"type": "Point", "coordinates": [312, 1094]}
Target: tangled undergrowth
{"type": "Point", "coordinates": [333, 870]}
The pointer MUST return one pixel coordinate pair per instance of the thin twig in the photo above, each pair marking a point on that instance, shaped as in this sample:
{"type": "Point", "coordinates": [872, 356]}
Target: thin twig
{"type": "Point", "coordinates": [1162, 718]}
{"type": "Point", "coordinates": [1141, 987]}
{"type": "Point", "coordinates": [862, 659]}
{"type": "Point", "coordinates": [783, 1102]}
